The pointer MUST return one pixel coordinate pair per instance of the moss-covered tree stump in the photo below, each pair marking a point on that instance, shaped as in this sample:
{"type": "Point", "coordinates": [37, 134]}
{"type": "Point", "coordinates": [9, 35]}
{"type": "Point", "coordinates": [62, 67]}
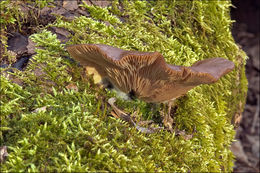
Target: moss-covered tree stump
{"type": "Point", "coordinates": [57, 119]}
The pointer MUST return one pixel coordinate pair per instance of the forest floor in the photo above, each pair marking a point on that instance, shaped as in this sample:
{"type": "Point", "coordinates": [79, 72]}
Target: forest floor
{"type": "Point", "coordinates": [247, 145]}
{"type": "Point", "coordinates": [246, 34]}
{"type": "Point", "coordinates": [246, 148]}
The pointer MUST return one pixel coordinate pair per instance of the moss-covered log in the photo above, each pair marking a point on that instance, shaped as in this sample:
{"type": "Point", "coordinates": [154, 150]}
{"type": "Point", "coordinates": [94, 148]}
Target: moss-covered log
{"type": "Point", "coordinates": [72, 130]}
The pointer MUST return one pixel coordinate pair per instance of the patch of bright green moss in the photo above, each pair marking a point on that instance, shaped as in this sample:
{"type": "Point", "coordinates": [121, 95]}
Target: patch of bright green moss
{"type": "Point", "coordinates": [73, 131]}
{"type": "Point", "coordinates": [13, 17]}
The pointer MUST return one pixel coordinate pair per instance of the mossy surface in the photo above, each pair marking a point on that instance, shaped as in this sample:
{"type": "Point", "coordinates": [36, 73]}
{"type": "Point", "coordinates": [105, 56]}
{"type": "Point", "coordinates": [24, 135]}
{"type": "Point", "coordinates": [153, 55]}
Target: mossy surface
{"type": "Point", "coordinates": [73, 132]}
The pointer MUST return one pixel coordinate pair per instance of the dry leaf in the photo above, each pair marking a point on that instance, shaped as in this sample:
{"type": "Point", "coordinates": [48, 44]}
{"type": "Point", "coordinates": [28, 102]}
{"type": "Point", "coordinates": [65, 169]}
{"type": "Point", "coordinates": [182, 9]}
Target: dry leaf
{"type": "Point", "coordinates": [72, 86]}
{"type": "Point", "coordinates": [31, 47]}
{"type": "Point", "coordinates": [42, 109]}
{"type": "Point", "coordinates": [184, 135]}
{"type": "Point", "coordinates": [3, 154]}
{"type": "Point", "coordinates": [70, 5]}
{"type": "Point", "coordinates": [17, 43]}
{"type": "Point", "coordinates": [103, 3]}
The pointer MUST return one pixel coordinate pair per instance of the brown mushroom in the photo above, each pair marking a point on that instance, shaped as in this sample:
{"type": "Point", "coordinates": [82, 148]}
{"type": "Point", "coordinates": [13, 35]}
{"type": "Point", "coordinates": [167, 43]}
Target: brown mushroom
{"type": "Point", "coordinates": [146, 74]}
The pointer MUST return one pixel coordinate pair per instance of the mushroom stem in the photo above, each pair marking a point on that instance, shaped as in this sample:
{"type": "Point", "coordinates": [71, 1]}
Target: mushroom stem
{"type": "Point", "coordinates": [167, 119]}
{"type": "Point", "coordinates": [170, 103]}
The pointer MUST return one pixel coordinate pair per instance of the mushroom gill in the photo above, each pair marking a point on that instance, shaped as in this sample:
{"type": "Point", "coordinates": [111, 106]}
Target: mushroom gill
{"type": "Point", "coordinates": [146, 74]}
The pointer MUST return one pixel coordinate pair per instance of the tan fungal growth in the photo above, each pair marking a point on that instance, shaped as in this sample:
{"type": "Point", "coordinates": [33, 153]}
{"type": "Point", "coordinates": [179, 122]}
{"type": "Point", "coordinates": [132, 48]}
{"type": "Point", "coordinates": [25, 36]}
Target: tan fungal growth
{"type": "Point", "coordinates": [146, 74]}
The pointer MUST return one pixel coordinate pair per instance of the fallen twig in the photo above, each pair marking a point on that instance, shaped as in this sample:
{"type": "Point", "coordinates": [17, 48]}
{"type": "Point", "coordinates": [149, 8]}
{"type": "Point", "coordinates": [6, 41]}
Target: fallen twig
{"type": "Point", "coordinates": [126, 117]}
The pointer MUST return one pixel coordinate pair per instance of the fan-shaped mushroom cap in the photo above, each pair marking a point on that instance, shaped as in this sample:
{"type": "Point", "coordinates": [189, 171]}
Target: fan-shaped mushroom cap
{"type": "Point", "coordinates": [146, 74]}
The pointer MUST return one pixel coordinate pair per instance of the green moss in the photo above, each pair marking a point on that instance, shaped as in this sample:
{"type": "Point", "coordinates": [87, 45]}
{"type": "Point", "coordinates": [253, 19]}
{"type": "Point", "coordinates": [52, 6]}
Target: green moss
{"type": "Point", "coordinates": [13, 17]}
{"type": "Point", "coordinates": [74, 133]}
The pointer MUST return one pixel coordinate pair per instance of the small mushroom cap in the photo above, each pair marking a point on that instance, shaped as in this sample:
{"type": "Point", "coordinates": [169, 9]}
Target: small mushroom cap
{"type": "Point", "coordinates": [146, 74]}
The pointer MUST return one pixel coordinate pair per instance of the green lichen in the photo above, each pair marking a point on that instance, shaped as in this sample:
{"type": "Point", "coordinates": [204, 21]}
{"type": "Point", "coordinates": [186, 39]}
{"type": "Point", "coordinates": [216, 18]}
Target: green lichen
{"type": "Point", "coordinates": [74, 132]}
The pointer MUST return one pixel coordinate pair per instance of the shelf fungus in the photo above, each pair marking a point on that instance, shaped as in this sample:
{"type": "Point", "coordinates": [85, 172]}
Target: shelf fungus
{"type": "Point", "coordinates": [146, 75]}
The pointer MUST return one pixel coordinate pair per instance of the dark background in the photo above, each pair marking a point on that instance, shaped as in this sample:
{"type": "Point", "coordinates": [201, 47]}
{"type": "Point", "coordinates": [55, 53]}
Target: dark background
{"type": "Point", "coordinates": [246, 33]}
